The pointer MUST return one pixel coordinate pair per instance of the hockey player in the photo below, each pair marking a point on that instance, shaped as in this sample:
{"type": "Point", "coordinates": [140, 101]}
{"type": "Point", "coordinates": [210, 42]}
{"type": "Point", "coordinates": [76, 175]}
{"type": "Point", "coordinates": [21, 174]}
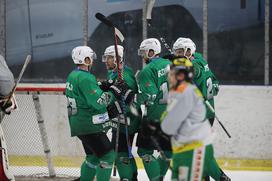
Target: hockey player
{"type": "Point", "coordinates": [126, 164]}
{"type": "Point", "coordinates": [204, 79]}
{"type": "Point", "coordinates": [6, 85]}
{"type": "Point", "coordinates": [89, 113]}
{"type": "Point", "coordinates": [153, 91]}
{"type": "Point", "coordinates": [185, 121]}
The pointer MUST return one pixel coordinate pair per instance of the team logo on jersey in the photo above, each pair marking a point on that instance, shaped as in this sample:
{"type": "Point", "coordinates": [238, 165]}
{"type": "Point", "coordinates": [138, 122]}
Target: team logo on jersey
{"type": "Point", "coordinates": [93, 91]}
{"type": "Point", "coordinates": [147, 84]}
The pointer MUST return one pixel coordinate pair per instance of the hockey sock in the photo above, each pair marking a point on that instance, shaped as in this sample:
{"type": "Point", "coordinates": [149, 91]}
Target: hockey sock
{"type": "Point", "coordinates": [88, 168]}
{"type": "Point", "coordinates": [151, 165]}
{"type": "Point", "coordinates": [214, 169]}
{"type": "Point", "coordinates": [103, 170]}
{"type": "Point", "coordinates": [125, 166]}
{"type": "Point", "coordinates": [135, 171]}
{"type": "Point", "coordinates": [164, 162]}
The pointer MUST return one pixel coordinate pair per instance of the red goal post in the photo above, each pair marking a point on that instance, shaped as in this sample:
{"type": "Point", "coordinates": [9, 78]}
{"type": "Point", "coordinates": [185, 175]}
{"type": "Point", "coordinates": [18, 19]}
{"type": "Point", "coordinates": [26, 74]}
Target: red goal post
{"type": "Point", "coordinates": [41, 88]}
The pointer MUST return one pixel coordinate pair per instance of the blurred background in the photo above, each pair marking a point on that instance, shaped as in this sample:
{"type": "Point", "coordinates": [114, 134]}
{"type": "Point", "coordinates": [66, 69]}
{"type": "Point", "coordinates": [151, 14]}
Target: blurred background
{"type": "Point", "coordinates": [48, 30]}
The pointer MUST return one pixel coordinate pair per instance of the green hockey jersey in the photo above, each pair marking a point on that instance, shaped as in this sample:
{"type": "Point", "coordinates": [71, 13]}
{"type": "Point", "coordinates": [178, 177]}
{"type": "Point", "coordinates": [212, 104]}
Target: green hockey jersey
{"type": "Point", "coordinates": [87, 103]}
{"type": "Point", "coordinates": [205, 80]}
{"type": "Point", "coordinates": [129, 78]}
{"type": "Point", "coordinates": [153, 87]}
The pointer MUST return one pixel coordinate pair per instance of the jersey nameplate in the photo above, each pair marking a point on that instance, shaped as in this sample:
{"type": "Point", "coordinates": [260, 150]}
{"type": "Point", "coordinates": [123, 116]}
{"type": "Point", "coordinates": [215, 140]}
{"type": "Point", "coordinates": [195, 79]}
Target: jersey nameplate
{"type": "Point", "coordinates": [164, 71]}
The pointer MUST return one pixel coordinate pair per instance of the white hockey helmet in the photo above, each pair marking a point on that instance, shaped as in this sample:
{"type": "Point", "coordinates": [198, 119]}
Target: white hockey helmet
{"type": "Point", "coordinates": [185, 44]}
{"type": "Point", "coordinates": [149, 44]}
{"type": "Point", "coordinates": [110, 51]}
{"type": "Point", "coordinates": [81, 52]}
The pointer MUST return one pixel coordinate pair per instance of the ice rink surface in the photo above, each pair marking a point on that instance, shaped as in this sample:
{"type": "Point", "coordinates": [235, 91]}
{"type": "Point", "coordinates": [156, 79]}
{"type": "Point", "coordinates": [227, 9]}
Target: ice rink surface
{"type": "Point", "coordinates": [234, 175]}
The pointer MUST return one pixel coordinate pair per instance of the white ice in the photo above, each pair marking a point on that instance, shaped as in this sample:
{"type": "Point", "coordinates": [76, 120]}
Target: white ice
{"type": "Point", "coordinates": [234, 175]}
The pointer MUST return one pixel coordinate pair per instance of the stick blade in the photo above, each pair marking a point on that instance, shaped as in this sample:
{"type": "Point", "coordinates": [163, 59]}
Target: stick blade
{"type": "Point", "coordinates": [119, 34]}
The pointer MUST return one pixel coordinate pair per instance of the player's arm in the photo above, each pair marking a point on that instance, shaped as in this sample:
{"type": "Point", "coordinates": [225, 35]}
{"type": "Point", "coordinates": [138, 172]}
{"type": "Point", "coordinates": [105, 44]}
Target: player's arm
{"type": "Point", "coordinates": [215, 85]}
{"type": "Point", "coordinates": [177, 112]}
{"type": "Point", "coordinates": [147, 89]}
{"type": "Point", "coordinates": [93, 95]}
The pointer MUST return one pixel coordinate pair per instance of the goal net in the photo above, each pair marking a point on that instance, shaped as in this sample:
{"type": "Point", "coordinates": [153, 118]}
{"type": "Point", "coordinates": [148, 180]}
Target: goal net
{"type": "Point", "coordinates": [38, 134]}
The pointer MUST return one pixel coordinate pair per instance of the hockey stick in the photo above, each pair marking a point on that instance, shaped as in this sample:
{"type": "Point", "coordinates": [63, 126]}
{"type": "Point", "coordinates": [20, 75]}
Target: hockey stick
{"type": "Point", "coordinates": [27, 60]}
{"type": "Point", "coordinates": [117, 33]}
{"type": "Point", "coordinates": [213, 111]}
{"type": "Point", "coordinates": [3, 147]}
{"type": "Point", "coordinates": [150, 5]}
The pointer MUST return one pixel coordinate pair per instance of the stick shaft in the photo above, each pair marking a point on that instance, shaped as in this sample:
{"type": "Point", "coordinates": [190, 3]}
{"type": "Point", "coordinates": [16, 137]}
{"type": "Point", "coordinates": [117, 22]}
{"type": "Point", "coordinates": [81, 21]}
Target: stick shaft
{"type": "Point", "coordinates": [221, 124]}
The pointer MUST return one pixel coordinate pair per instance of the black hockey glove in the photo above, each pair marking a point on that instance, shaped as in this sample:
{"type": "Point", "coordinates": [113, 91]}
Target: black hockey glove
{"type": "Point", "coordinates": [105, 85]}
{"type": "Point", "coordinates": [128, 96]}
{"type": "Point", "coordinates": [7, 107]}
{"type": "Point", "coordinates": [117, 89]}
{"type": "Point", "coordinates": [149, 128]}
{"type": "Point", "coordinates": [152, 128]}
{"type": "Point", "coordinates": [114, 110]}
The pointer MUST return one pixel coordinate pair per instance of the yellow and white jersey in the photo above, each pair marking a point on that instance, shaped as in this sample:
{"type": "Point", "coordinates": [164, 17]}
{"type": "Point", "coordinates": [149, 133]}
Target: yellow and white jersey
{"type": "Point", "coordinates": [185, 118]}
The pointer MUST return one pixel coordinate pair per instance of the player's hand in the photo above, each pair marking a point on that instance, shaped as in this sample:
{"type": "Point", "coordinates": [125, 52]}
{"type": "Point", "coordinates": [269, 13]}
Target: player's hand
{"type": "Point", "coordinates": [105, 85]}
{"type": "Point", "coordinates": [7, 107]}
{"type": "Point", "coordinates": [215, 89]}
{"type": "Point", "coordinates": [116, 89]}
{"type": "Point", "coordinates": [149, 128]}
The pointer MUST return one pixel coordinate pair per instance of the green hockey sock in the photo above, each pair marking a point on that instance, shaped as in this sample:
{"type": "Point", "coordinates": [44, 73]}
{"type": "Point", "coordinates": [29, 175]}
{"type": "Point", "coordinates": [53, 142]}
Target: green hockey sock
{"type": "Point", "coordinates": [151, 165]}
{"type": "Point", "coordinates": [215, 171]}
{"type": "Point", "coordinates": [126, 166]}
{"type": "Point", "coordinates": [164, 162]}
{"type": "Point", "coordinates": [88, 168]}
{"type": "Point", "coordinates": [103, 170]}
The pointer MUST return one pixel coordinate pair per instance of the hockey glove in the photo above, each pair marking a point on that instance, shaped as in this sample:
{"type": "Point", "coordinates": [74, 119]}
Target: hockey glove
{"type": "Point", "coordinates": [7, 107]}
{"type": "Point", "coordinates": [114, 110]}
{"type": "Point", "coordinates": [152, 128]}
{"type": "Point", "coordinates": [215, 89]}
{"type": "Point", "coordinates": [149, 128]}
{"type": "Point", "coordinates": [128, 96]}
{"type": "Point", "coordinates": [105, 85]}
{"type": "Point", "coordinates": [117, 88]}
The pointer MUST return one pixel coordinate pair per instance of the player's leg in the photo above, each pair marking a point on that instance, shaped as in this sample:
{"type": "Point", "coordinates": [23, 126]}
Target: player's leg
{"type": "Point", "coordinates": [103, 172]}
{"type": "Point", "coordinates": [189, 165]}
{"type": "Point", "coordinates": [182, 163]}
{"type": "Point", "coordinates": [165, 158]}
{"type": "Point", "coordinates": [126, 165]}
{"type": "Point", "coordinates": [145, 151]}
{"type": "Point", "coordinates": [88, 168]}
{"type": "Point", "coordinates": [101, 147]}
{"type": "Point", "coordinates": [164, 162]}
{"type": "Point", "coordinates": [211, 167]}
